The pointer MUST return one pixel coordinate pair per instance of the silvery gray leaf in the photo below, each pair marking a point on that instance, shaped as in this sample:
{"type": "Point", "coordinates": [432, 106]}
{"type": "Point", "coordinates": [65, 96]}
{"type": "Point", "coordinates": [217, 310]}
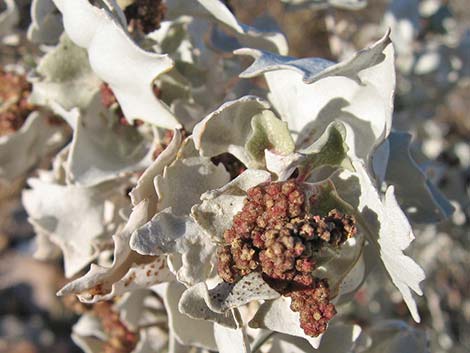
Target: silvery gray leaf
{"type": "Point", "coordinates": [227, 129]}
{"type": "Point", "coordinates": [175, 191]}
{"type": "Point", "coordinates": [277, 315]}
{"type": "Point", "coordinates": [103, 149]}
{"type": "Point", "coordinates": [63, 70]}
{"type": "Point", "coordinates": [191, 250]}
{"type": "Point", "coordinates": [309, 97]}
{"type": "Point", "coordinates": [314, 69]}
{"type": "Point", "coordinates": [420, 199]}
{"type": "Point", "coordinates": [109, 51]}
{"type": "Point", "coordinates": [187, 331]}
{"type": "Point", "coordinates": [386, 226]}
{"type": "Point", "coordinates": [46, 23]}
{"type": "Point", "coordinates": [22, 150]}
{"type": "Point", "coordinates": [75, 218]}
{"type": "Point", "coordinates": [231, 340]}
{"type": "Point", "coordinates": [321, 4]}
{"type": "Point", "coordinates": [193, 304]}
{"type": "Point", "coordinates": [128, 271]}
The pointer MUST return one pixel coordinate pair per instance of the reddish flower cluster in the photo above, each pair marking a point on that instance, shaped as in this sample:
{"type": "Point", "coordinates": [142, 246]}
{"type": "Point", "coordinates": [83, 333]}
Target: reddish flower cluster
{"type": "Point", "coordinates": [14, 106]}
{"type": "Point", "coordinates": [314, 307]}
{"type": "Point", "coordinates": [145, 15]}
{"type": "Point", "coordinates": [120, 338]}
{"type": "Point", "coordinates": [276, 235]}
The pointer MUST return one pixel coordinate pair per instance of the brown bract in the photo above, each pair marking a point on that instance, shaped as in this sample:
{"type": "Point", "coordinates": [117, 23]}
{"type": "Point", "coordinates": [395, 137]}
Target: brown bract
{"type": "Point", "coordinates": [276, 234]}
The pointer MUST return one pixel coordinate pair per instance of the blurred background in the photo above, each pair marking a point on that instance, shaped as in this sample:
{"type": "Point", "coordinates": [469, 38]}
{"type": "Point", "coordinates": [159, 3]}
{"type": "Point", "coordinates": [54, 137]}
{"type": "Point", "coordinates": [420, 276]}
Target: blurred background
{"type": "Point", "coordinates": [432, 41]}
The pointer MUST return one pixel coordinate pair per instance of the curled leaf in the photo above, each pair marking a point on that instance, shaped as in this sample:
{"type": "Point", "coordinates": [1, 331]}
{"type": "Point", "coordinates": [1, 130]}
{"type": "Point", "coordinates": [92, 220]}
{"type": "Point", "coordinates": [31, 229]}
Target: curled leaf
{"type": "Point", "coordinates": [190, 250]}
{"type": "Point", "coordinates": [268, 133]}
{"type": "Point", "coordinates": [63, 70]}
{"type": "Point", "coordinates": [36, 139]}
{"type": "Point", "coordinates": [227, 129]}
{"type": "Point", "coordinates": [128, 271]}
{"type": "Point", "coordinates": [129, 70]}
{"type": "Point", "coordinates": [416, 194]}
{"type": "Point", "coordinates": [193, 304]}
{"type": "Point", "coordinates": [277, 315]}
{"type": "Point", "coordinates": [386, 226]}
{"type": "Point", "coordinates": [46, 25]}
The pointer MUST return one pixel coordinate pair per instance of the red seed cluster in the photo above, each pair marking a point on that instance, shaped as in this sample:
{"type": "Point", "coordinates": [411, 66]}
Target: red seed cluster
{"type": "Point", "coordinates": [15, 108]}
{"type": "Point", "coordinates": [275, 234]}
{"type": "Point", "coordinates": [314, 307]}
{"type": "Point", "coordinates": [145, 15]}
{"type": "Point", "coordinates": [120, 338]}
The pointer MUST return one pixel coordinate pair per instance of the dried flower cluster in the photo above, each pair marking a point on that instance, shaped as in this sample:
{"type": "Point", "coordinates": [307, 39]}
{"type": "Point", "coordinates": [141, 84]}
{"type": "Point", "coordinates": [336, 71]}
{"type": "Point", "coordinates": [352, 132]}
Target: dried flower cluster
{"type": "Point", "coordinates": [120, 338]}
{"type": "Point", "coordinates": [145, 15]}
{"type": "Point", "coordinates": [314, 307]}
{"type": "Point", "coordinates": [277, 234]}
{"type": "Point", "coordinates": [15, 108]}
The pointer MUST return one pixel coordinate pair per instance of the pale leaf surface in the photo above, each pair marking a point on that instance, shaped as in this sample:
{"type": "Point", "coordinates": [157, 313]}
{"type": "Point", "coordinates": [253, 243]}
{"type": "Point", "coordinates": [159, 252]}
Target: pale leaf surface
{"type": "Point", "coordinates": [117, 60]}
{"type": "Point", "coordinates": [416, 194]}
{"type": "Point", "coordinates": [103, 149]}
{"type": "Point", "coordinates": [63, 70]}
{"type": "Point", "coordinates": [231, 340]}
{"type": "Point", "coordinates": [46, 24]}
{"type": "Point", "coordinates": [21, 151]}
{"type": "Point", "coordinates": [227, 129]}
{"type": "Point", "coordinates": [277, 315]}
{"type": "Point", "coordinates": [387, 227]}
{"type": "Point", "coordinates": [73, 216]}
